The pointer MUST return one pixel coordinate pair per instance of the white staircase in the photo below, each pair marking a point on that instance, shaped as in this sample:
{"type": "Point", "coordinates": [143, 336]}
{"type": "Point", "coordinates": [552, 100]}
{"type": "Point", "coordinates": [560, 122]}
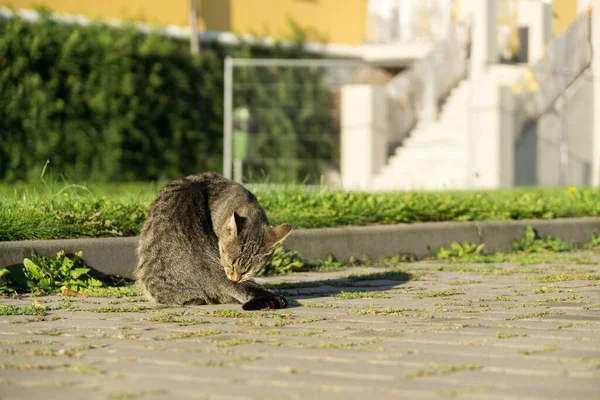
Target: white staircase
{"type": "Point", "coordinates": [434, 156]}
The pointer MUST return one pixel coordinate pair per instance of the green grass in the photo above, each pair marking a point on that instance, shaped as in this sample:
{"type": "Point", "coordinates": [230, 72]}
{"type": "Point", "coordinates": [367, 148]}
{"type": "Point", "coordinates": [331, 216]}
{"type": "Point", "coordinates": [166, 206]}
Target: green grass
{"type": "Point", "coordinates": [22, 310]}
{"type": "Point", "coordinates": [442, 369]}
{"type": "Point", "coordinates": [110, 210]}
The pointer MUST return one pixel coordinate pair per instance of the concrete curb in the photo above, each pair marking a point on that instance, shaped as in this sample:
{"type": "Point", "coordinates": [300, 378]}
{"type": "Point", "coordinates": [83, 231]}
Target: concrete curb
{"type": "Point", "coordinates": [117, 255]}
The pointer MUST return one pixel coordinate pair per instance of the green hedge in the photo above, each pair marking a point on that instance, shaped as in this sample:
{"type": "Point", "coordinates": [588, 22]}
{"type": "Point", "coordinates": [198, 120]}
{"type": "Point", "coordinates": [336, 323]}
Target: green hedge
{"type": "Point", "coordinates": [107, 104]}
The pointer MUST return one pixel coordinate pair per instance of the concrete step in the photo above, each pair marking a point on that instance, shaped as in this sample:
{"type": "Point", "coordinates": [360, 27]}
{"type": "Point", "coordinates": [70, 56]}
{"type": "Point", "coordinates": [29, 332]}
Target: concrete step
{"type": "Point", "coordinates": [431, 154]}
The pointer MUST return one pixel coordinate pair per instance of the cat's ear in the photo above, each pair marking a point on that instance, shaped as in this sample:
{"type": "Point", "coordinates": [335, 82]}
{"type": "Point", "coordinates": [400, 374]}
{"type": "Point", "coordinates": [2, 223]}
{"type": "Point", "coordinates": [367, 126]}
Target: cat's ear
{"type": "Point", "coordinates": [235, 224]}
{"type": "Point", "coordinates": [278, 233]}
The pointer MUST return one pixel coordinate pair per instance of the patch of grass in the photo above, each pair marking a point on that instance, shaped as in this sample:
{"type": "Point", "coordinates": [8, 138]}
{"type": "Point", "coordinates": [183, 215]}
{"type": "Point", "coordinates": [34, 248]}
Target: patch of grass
{"type": "Point", "coordinates": [535, 315]}
{"type": "Point", "coordinates": [592, 362]}
{"type": "Point", "coordinates": [112, 211]}
{"type": "Point", "coordinates": [444, 293]}
{"type": "Point", "coordinates": [443, 369]}
{"type": "Point", "coordinates": [543, 350]}
{"type": "Point", "coordinates": [546, 289]}
{"type": "Point", "coordinates": [82, 369]}
{"type": "Point", "coordinates": [568, 276]}
{"type": "Point", "coordinates": [387, 311]}
{"type": "Point", "coordinates": [225, 363]}
{"type": "Point", "coordinates": [467, 282]}
{"type": "Point", "coordinates": [132, 309]}
{"type": "Point", "coordinates": [560, 299]}
{"type": "Point", "coordinates": [508, 335]}
{"type": "Point", "coordinates": [273, 332]}
{"type": "Point", "coordinates": [318, 305]}
{"type": "Point", "coordinates": [187, 335]}
{"type": "Point", "coordinates": [361, 345]}
{"type": "Point", "coordinates": [179, 320]}
{"type": "Point", "coordinates": [22, 310]}
{"type": "Point", "coordinates": [233, 342]}
{"type": "Point", "coordinates": [280, 322]}
{"type": "Point", "coordinates": [504, 298]}
{"type": "Point", "coordinates": [112, 291]}
{"type": "Point", "coordinates": [231, 313]}
{"type": "Point", "coordinates": [362, 295]}
{"type": "Point", "coordinates": [574, 324]}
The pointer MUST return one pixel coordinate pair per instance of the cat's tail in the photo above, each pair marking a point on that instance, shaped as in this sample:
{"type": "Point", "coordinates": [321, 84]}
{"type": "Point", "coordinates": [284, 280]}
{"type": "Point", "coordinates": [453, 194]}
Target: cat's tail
{"type": "Point", "coordinates": [272, 301]}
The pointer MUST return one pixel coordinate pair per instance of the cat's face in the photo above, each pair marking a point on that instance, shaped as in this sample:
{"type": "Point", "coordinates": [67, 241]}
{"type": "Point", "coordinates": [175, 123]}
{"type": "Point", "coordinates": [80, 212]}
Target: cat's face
{"type": "Point", "coordinates": [246, 247]}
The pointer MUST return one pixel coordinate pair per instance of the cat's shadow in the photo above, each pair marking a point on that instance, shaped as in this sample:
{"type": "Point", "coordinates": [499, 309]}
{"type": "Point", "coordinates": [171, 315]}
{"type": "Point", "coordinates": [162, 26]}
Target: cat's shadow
{"type": "Point", "coordinates": [376, 281]}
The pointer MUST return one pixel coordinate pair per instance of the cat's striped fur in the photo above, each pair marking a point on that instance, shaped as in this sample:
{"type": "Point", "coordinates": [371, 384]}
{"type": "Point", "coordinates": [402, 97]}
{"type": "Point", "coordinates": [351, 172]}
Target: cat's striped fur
{"type": "Point", "coordinates": [203, 241]}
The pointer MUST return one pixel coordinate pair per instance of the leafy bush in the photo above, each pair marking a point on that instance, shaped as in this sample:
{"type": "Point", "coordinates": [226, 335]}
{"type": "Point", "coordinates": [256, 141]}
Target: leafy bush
{"type": "Point", "coordinates": [106, 104]}
{"type": "Point", "coordinates": [49, 275]}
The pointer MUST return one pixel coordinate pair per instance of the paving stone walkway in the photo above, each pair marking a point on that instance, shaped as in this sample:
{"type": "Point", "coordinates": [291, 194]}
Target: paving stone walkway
{"type": "Point", "coordinates": [500, 331]}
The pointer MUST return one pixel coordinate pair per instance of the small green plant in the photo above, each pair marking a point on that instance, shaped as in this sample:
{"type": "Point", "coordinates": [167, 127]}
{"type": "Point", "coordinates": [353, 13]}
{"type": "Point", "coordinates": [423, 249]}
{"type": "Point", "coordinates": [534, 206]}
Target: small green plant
{"type": "Point", "coordinates": [329, 263]}
{"type": "Point", "coordinates": [458, 251]}
{"type": "Point", "coordinates": [532, 243]}
{"type": "Point", "coordinates": [282, 262]}
{"type": "Point", "coordinates": [594, 243]}
{"type": "Point", "coordinates": [47, 275]}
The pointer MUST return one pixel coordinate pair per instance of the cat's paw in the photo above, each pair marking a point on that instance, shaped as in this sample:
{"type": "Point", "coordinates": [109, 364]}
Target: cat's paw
{"type": "Point", "coordinates": [265, 302]}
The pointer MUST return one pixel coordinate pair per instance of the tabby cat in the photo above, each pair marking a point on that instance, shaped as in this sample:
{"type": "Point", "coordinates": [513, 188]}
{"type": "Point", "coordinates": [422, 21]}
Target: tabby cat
{"type": "Point", "coordinates": [203, 241]}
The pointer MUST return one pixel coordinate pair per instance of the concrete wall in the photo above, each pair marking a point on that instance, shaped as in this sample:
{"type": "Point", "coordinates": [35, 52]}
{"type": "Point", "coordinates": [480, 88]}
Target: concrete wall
{"type": "Point", "coordinates": [364, 134]}
{"type": "Point", "coordinates": [538, 146]}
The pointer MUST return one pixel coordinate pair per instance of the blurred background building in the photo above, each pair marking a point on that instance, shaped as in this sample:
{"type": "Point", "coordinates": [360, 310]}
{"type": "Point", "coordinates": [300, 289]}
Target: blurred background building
{"type": "Point", "coordinates": [422, 94]}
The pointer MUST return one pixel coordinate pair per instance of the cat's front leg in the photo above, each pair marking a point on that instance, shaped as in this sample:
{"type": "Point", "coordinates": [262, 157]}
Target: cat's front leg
{"type": "Point", "coordinates": [255, 297]}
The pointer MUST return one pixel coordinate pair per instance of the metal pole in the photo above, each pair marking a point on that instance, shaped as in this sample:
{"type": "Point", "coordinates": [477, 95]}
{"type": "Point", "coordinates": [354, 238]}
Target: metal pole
{"type": "Point", "coordinates": [563, 164]}
{"type": "Point", "coordinates": [194, 43]}
{"type": "Point", "coordinates": [227, 118]}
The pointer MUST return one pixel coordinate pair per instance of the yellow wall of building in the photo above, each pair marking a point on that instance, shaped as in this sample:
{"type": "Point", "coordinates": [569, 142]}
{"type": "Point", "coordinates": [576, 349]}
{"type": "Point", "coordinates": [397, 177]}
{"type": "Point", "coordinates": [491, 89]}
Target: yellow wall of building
{"type": "Point", "coordinates": [336, 21]}
{"type": "Point", "coordinates": [564, 13]}
{"type": "Point", "coordinates": [150, 11]}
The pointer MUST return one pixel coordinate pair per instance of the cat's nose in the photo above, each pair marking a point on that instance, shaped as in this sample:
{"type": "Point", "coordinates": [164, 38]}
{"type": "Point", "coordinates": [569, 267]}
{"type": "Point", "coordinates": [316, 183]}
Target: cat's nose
{"type": "Point", "coordinates": [234, 276]}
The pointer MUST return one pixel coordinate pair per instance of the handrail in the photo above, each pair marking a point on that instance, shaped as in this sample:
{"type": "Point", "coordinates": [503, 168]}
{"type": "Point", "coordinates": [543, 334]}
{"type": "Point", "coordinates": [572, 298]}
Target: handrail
{"type": "Point", "coordinates": [565, 58]}
{"type": "Point", "coordinates": [438, 72]}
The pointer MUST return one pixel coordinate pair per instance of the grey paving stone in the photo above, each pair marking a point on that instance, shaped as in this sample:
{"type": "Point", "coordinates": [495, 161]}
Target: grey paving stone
{"type": "Point", "coordinates": [501, 335]}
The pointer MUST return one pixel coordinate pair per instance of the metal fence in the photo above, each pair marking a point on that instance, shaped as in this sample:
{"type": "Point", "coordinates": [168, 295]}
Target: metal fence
{"type": "Point", "coordinates": [281, 118]}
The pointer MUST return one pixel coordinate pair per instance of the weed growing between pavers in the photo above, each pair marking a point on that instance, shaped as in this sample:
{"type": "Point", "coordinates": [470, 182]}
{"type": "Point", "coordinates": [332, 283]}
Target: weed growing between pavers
{"type": "Point", "coordinates": [592, 362]}
{"type": "Point", "coordinates": [564, 277]}
{"type": "Point", "coordinates": [504, 335]}
{"type": "Point", "coordinates": [443, 369]}
{"type": "Point", "coordinates": [388, 311]}
{"type": "Point", "coordinates": [574, 324]}
{"type": "Point", "coordinates": [546, 349]}
{"type": "Point", "coordinates": [280, 322]}
{"type": "Point", "coordinates": [225, 363]}
{"type": "Point", "coordinates": [176, 318]}
{"type": "Point", "coordinates": [77, 368]}
{"type": "Point", "coordinates": [271, 332]}
{"type": "Point", "coordinates": [535, 315]}
{"type": "Point", "coordinates": [318, 305]}
{"type": "Point", "coordinates": [22, 310]}
{"type": "Point", "coordinates": [444, 293]}
{"type": "Point", "coordinates": [186, 335]}
{"type": "Point", "coordinates": [361, 295]}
